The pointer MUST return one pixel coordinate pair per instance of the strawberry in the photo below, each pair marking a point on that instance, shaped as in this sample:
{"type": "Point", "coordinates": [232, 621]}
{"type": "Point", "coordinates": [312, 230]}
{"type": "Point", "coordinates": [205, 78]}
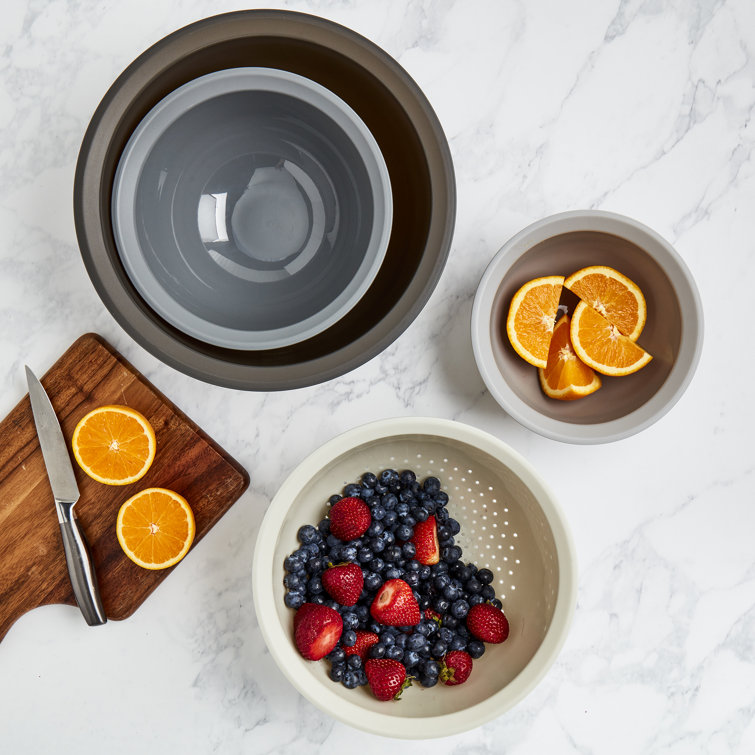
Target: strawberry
{"type": "Point", "coordinates": [317, 630]}
{"type": "Point", "coordinates": [349, 518]}
{"type": "Point", "coordinates": [395, 605]}
{"type": "Point", "coordinates": [387, 678]}
{"type": "Point", "coordinates": [457, 666]}
{"type": "Point", "coordinates": [343, 583]}
{"type": "Point", "coordinates": [425, 539]}
{"type": "Point", "coordinates": [487, 623]}
{"type": "Point", "coordinates": [365, 640]}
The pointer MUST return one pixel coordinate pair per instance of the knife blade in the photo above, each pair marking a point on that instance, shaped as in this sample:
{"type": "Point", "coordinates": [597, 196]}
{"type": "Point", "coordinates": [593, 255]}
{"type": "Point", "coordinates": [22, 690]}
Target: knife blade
{"type": "Point", "coordinates": [65, 491]}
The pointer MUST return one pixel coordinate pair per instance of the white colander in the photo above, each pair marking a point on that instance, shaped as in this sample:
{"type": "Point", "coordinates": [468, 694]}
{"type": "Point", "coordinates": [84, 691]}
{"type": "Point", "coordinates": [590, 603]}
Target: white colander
{"type": "Point", "coordinates": [510, 523]}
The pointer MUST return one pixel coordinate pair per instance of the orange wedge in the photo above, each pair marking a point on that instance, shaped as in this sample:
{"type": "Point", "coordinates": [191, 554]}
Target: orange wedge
{"type": "Point", "coordinates": [532, 316]}
{"type": "Point", "coordinates": [600, 345]}
{"type": "Point", "coordinates": [155, 528]}
{"type": "Point", "coordinates": [613, 295]}
{"type": "Point", "coordinates": [114, 445]}
{"type": "Point", "coordinates": [565, 376]}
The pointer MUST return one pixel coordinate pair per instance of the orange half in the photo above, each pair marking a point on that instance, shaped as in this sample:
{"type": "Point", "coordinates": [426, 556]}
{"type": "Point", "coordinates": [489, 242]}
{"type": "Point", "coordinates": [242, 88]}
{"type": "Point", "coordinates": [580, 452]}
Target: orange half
{"type": "Point", "coordinates": [532, 316]}
{"type": "Point", "coordinates": [114, 445]}
{"type": "Point", "coordinates": [599, 344]}
{"type": "Point", "coordinates": [565, 376]}
{"type": "Point", "coordinates": [155, 528]}
{"type": "Point", "coordinates": [612, 295]}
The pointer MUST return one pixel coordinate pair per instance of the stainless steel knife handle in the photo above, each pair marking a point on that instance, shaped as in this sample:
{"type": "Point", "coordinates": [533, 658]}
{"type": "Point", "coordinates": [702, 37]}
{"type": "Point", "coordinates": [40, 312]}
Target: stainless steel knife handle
{"type": "Point", "coordinates": [80, 568]}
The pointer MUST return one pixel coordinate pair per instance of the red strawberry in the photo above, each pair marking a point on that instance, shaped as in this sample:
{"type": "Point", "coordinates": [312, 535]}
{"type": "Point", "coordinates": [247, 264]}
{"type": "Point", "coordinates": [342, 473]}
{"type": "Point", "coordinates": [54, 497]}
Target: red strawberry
{"type": "Point", "coordinates": [343, 583]}
{"type": "Point", "coordinates": [457, 666]}
{"type": "Point", "coordinates": [317, 630]}
{"type": "Point", "coordinates": [395, 605]}
{"type": "Point", "coordinates": [425, 539]}
{"type": "Point", "coordinates": [487, 623]}
{"type": "Point", "coordinates": [349, 518]}
{"type": "Point", "coordinates": [365, 640]}
{"type": "Point", "coordinates": [387, 678]}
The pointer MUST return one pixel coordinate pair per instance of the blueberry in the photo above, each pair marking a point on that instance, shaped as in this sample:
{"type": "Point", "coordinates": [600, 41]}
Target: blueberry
{"type": "Point", "coordinates": [395, 653]}
{"type": "Point", "coordinates": [336, 672]}
{"type": "Point", "coordinates": [475, 648]}
{"type": "Point", "coordinates": [393, 553]}
{"type": "Point", "coordinates": [441, 515]}
{"type": "Point", "coordinates": [349, 638]}
{"type": "Point", "coordinates": [348, 553]}
{"type": "Point", "coordinates": [450, 554]}
{"type": "Point", "coordinates": [291, 581]}
{"type": "Point", "coordinates": [441, 498]}
{"type": "Point", "coordinates": [387, 639]}
{"type": "Point", "coordinates": [497, 603]}
{"type": "Point", "coordinates": [334, 499]}
{"type": "Point", "coordinates": [420, 515]}
{"type": "Point", "coordinates": [354, 662]}
{"type": "Point", "coordinates": [401, 639]}
{"type": "Point", "coordinates": [488, 592]}
{"type": "Point", "coordinates": [442, 581]}
{"type": "Point", "coordinates": [393, 573]}
{"type": "Point", "coordinates": [376, 528]}
{"type": "Point", "coordinates": [474, 600]}
{"type": "Point", "coordinates": [377, 545]}
{"type": "Point", "coordinates": [350, 620]}
{"type": "Point", "coordinates": [363, 613]}
{"type": "Point", "coordinates": [431, 485]}
{"type": "Point", "coordinates": [413, 566]}
{"type": "Point", "coordinates": [335, 606]}
{"type": "Point", "coordinates": [450, 621]}
{"type": "Point", "coordinates": [336, 655]}
{"type": "Point", "coordinates": [428, 681]}
{"type": "Point", "coordinates": [407, 477]}
{"type": "Point", "coordinates": [293, 600]}
{"type": "Point", "coordinates": [438, 649]}
{"type": "Point", "coordinates": [404, 532]}
{"type": "Point", "coordinates": [380, 489]}
{"type": "Point", "coordinates": [443, 533]}
{"type": "Point", "coordinates": [390, 518]}
{"type": "Point", "coordinates": [377, 650]}
{"type": "Point", "coordinates": [388, 537]}
{"type": "Point", "coordinates": [372, 580]}
{"type": "Point", "coordinates": [473, 586]}
{"type": "Point", "coordinates": [406, 496]}
{"type": "Point", "coordinates": [458, 643]}
{"type": "Point", "coordinates": [424, 572]}
{"type": "Point", "coordinates": [415, 641]}
{"type": "Point", "coordinates": [430, 668]}
{"type": "Point", "coordinates": [361, 677]}
{"type": "Point", "coordinates": [463, 631]}
{"type": "Point", "coordinates": [375, 628]}
{"type": "Point", "coordinates": [350, 680]}
{"type": "Point", "coordinates": [351, 490]}
{"type": "Point", "coordinates": [307, 534]}
{"type": "Point", "coordinates": [441, 604]}
{"type": "Point", "coordinates": [376, 565]}
{"type": "Point", "coordinates": [387, 476]}
{"type": "Point", "coordinates": [402, 508]}
{"type": "Point", "coordinates": [292, 564]}
{"type": "Point", "coordinates": [424, 602]}
{"type": "Point", "coordinates": [459, 608]}
{"type": "Point", "coordinates": [409, 521]}
{"type": "Point", "coordinates": [319, 599]}
{"type": "Point", "coordinates": [485, 576]}
{"type": "Point", "coordinates": [446, 634]}
{"type": "Point", "coordinates": [369, 480]}
{"type": "Point", "coordinates": [314, 586]}
{"type": "Point", "coordinates": [332, 541]}
{"type": "Point", "coordinates": [389, 501]}
{"type": "Point", "coordinates": [378, 512]}
{"type": "Point", "coordinates": [454, 526]}
{"type": "Point", "coordinates": [430, 506]}
{"type": "Point", "coordinates": [411, 658]}
{"type": "Point", "coordinates": [411, 578]}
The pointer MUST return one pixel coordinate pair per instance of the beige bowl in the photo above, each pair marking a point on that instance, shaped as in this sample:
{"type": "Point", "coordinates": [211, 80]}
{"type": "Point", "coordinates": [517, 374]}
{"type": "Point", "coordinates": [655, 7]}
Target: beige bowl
{"type": "Point", "coordinates": [510, 523]}
{"type": "Point", "coordinates": [673, 334]}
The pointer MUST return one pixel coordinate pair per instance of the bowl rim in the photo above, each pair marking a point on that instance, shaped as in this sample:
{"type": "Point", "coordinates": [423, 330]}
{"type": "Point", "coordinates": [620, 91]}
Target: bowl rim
{"type": "Point", "coordinates": [690, 346]}
{"type": "Point", "coordinates": [170, 109]}
{"type": "Point", "coordinates": [277, 636]}
{"type": "Point", "coordinates": [94, 236]}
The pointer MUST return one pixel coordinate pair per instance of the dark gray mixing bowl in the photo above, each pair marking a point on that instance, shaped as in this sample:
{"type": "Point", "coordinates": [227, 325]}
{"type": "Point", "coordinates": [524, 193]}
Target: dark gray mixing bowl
{"type": "Point", "coordinates": [385, 98]}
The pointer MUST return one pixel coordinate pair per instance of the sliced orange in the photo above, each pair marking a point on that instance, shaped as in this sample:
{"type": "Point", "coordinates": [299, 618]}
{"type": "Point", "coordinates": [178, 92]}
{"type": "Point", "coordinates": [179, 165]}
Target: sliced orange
{"type": "Point", "coordinates": [565, 376]}
{"type": "Point", "coordinates": [613, 295]}
{"type": "Point", "coordinates": [532, 316]}
{"type": "Point", "coordinates": [600, 345]}
{"type": "Point", "coordinates": [155, 528]}
{"type": "Point", "coordinates": [114, 445]}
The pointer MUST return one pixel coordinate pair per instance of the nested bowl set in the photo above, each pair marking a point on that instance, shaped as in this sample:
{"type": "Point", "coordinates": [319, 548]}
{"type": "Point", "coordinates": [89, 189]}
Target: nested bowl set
{"type": "Point", "coordinates": [265, 200]}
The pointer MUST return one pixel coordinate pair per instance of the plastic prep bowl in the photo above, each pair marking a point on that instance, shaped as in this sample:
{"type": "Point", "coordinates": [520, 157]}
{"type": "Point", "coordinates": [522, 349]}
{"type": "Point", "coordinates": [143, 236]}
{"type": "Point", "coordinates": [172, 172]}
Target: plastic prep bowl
{"type": "Point", "coordinates": [510, 523]}
{"type": "Point", "coordinates": [673, 334]}
{"type": "Point", "coordinates": [252, 208]}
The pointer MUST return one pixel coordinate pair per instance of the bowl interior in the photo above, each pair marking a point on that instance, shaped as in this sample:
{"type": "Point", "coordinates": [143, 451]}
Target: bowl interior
{"type": "Point", "coordinates": [252, 208]}
{"type": "Point", "coordinates": [503, 527]}
{"type": "Point", "coordinates": [563, 254]}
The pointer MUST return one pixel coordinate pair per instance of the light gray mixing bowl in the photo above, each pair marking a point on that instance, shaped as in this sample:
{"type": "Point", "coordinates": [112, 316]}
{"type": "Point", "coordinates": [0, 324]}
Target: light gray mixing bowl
{"type": "Point", "coordinates": [252, 208]}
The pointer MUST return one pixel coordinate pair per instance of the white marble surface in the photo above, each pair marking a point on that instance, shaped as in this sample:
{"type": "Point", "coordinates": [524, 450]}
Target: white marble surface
{"type": "Point", "coordinates": [640, 107]}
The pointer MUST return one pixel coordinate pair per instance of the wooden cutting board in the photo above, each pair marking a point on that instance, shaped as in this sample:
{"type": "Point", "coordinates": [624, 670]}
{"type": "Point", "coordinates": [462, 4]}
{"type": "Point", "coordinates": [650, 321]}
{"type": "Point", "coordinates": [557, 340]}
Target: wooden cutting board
{"type": "Point", "coordinates": [32, 564]}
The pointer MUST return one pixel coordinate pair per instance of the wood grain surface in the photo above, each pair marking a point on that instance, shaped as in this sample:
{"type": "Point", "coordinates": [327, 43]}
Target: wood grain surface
{"type": "Point", "coordinates": [32, 564]}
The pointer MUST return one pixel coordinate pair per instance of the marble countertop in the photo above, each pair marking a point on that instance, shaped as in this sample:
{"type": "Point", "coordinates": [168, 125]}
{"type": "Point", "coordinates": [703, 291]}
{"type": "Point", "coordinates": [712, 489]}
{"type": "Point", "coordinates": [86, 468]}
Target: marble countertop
{"type": "Point", "coordinates": [642, 108]}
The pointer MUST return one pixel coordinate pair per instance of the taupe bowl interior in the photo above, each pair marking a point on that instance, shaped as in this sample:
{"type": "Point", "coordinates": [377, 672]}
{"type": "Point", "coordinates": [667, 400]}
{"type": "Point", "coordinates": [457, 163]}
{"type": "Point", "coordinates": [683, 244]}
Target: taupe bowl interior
{"type": "Point", "coordinates": [510, 523]}
{"type": "Point", "coordinates": [561, 245]}
{"type": "Point", "coordinates": [385, 98]}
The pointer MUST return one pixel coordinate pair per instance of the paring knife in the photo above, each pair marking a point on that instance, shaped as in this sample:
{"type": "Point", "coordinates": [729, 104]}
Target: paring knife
{"type": "Point", "coordinates": [66, 493]}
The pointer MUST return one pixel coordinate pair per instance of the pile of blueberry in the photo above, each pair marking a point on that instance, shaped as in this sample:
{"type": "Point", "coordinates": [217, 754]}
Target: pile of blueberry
{"type": "Point", "coordinates": [445, 591]}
